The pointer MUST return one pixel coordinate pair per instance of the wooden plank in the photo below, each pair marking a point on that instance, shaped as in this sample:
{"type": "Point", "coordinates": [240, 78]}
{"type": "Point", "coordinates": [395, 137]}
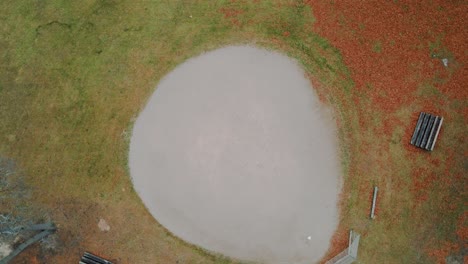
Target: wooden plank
{"type": "Point", "coordinates": [428, 131]}
{"type": "Point", "coordinates": [432, 134]}
{"type": "Point", "coordinates": [89, 258]}
{"type": "Point", "coordinates": [40, 227]}
{"type": "Point", "coordinates": [437, 133]}
{"type": "Point", "coordinates": [423, 129]}
{"type": "Point", "coordinates": [417, 128]}
{"type": "Point", "coordinates": [89, 261]}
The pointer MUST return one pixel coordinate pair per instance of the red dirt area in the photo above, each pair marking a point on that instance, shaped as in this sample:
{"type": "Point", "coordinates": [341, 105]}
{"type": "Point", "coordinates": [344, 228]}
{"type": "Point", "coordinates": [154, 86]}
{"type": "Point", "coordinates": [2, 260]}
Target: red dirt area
{"type": "Point", "coordinates": [386, 45]}
{"type": "Point", "coordinates": [394, 51]}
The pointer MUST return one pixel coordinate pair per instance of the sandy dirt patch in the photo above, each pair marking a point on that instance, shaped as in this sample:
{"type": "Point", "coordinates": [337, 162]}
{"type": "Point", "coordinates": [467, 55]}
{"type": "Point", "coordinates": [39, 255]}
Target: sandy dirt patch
{"type": "Point", "coordinates": [234, 153]}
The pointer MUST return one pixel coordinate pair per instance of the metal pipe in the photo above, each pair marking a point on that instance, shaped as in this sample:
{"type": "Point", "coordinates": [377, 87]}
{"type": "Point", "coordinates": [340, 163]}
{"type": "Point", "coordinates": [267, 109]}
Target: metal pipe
{"type": "Point", "coordinates": [372, 216]}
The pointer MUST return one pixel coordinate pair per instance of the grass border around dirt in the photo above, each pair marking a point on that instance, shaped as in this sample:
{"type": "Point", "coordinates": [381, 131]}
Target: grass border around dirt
{"type": "Point", "coordinates": [84, 71]}
{"type": "Point", "coordinates": [76, 74]}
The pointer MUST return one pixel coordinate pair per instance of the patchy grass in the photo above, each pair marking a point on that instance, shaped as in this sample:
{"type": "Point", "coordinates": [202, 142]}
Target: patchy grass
{"type": "Point", "coordinates": [377, 47]}
{"type": "Point", "coordinates": [74, 77]}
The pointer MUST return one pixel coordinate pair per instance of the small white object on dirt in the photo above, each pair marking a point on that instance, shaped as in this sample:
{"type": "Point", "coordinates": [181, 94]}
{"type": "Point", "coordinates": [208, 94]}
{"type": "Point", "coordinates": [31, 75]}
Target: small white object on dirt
{"type": "Point", "coordinates": [103, 225]}
{"type": "Point", "coordinates": [445, 62]}
{"type": "Point", "coordinates": [5, 250]}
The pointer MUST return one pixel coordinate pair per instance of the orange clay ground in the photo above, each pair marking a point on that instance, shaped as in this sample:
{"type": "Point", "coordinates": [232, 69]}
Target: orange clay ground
{"type": "Point", "coordinates": [393, 50]}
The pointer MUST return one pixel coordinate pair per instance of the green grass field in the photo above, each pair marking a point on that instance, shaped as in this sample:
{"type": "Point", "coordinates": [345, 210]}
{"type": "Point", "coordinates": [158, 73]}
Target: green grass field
{"type": "Point", "coordinates": [75, 74]}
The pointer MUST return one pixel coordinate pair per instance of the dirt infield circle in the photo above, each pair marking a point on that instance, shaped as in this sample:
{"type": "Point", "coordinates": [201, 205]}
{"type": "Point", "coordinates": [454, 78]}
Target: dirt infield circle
{"type": "Point", "coordinates": [234, 153]}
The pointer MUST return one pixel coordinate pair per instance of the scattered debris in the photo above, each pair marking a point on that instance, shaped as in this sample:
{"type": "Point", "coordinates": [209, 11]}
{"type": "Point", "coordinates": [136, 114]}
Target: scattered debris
{"type": "Point", "coordinates": [12, 187]}
{"type": "Point", "coordinates": [445, 62]}
{"type": "Point", "coordinates": [426, 131]}
{"type": "Point", "coordinates": [46, 229]}
{"type": "Point", "coordinates": [103, 225]}
{"type": "Point", "coordinates": [50, 243]}
{"type": "Point", "coordinates": [18, 221]}
{"type": "Point", "coordinates": [11, 226]}
{"type": "Point", "coordinates": [89, 258]}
